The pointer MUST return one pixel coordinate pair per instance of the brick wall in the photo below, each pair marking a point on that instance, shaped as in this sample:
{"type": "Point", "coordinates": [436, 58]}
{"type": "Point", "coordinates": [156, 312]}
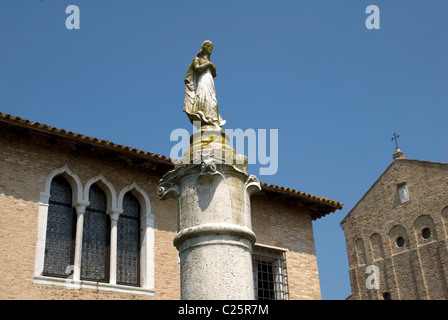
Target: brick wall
{"type": "Point", "coordinates": [25, 163]}
{"type": "Point", "coordinates": [27, 159]}
{"type": "Point", "coordinates": [280, 224]}
{"type": "Point", "coordinates": [418, 269]}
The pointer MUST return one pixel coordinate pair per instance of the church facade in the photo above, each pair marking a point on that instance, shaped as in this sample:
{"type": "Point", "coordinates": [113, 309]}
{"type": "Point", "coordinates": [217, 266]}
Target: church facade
{"type": "Point", "coordinates": [397, 234]}
{"type": "Point", "coordinates": [80, 218]}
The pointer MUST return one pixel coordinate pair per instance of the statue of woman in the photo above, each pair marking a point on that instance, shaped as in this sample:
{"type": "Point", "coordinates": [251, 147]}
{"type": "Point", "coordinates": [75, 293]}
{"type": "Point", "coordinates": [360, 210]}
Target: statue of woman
{"type": "Point", "coordinates": [200, 97]}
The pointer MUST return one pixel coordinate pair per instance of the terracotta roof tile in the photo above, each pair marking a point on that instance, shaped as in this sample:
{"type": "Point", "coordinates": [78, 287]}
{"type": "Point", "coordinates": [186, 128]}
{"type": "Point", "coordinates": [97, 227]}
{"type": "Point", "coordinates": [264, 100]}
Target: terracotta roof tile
{"type": "Point", "coordinates": [36, 125]}
{"type": "Point", "coordinates": [332, 203]}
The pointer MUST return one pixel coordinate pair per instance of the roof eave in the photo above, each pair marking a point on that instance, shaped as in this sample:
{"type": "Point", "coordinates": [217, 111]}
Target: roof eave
{"type": "Point", "coordinates": [323, 207]}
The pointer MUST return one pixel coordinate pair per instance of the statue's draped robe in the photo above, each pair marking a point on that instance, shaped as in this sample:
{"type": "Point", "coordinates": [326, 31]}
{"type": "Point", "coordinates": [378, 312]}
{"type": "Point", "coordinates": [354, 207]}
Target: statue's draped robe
{"type": "Point", "coordinates": [200, 98]}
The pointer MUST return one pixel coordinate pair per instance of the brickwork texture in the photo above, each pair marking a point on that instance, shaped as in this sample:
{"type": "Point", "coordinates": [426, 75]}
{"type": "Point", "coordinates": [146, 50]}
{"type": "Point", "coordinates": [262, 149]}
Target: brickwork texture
{"type": "Point", "coordinates": [406, 241]}
{"type": "Point", "coordinates": [27, 159]}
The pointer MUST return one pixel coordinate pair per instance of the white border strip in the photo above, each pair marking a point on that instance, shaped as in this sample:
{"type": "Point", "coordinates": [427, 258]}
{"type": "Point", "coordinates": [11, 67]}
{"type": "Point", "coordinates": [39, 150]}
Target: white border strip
{"type": "Point", "coordinates": [71, 284]}
{"type": "Point", "coordinates": [270, 247]}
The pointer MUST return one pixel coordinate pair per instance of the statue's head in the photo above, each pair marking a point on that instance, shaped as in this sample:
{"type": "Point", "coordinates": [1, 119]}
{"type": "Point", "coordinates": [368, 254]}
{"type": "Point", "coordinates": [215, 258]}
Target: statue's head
{"type": "Point", "coordinates": [206, 48]}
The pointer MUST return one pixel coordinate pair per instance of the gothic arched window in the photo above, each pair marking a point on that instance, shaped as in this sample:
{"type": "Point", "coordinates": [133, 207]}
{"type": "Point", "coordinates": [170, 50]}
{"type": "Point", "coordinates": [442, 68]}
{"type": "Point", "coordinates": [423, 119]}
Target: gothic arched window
{"type": "Point", "coordinates": [128, 242]}
{"type": "Point", "coordinates": [96, 238]}
{"type": "Point", "coordinates": [61, 230]}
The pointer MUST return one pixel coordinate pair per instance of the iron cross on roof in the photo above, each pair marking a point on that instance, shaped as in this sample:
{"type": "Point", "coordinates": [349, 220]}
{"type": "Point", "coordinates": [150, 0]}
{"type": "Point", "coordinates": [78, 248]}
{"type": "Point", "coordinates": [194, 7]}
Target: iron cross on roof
{"type": "Point", "coordinates": [395, 137]}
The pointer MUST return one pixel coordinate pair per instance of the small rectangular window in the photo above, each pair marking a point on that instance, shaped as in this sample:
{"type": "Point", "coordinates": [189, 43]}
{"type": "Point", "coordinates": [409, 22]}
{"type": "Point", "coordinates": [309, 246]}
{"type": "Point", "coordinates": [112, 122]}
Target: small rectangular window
{"type": "Point", "coordinates": [270, 274]}
{"type": "Point", "coordinates": [403, 193]}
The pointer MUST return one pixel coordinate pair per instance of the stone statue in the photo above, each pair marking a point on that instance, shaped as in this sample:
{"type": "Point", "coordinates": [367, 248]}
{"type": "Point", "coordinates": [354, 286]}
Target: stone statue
{"type": "Point", "coordinates": [200, 96]}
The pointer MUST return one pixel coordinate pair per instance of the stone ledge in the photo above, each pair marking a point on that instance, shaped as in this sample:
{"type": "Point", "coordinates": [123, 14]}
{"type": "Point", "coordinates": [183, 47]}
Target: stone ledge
{"type": "Point", "coordinates": [82, 284]}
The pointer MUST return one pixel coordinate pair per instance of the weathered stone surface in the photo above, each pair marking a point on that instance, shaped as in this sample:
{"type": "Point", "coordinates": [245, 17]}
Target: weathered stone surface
{"type": "Point", "coordinates": [214, 223]}
{"type": "Point", "coordinates": [208, 143]}
{"type": "Point", "coordinates": [201, 105]}
{"type": "Point", "coordinates": [414, 267]}
{"type": "Point", "coordinates": [217, 265]}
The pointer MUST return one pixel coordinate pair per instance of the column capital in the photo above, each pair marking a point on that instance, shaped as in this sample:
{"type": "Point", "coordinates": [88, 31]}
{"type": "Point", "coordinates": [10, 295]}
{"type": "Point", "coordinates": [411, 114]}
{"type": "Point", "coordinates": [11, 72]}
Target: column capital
{"type": "Point", "coordinates": [81, 206]}
{"type": "Point", "coordinates": [44, 198]}
{"type": "Point", "coordinates": [114, 214]}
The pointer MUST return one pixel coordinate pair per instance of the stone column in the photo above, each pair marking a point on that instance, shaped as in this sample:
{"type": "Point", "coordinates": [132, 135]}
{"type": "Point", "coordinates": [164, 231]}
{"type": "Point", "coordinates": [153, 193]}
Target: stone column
{"type": "Point", "coordinates": [80, 210]}
{"type": "Point", "coordinates": [215, 234]}
{"type": "Point", "coordinates": [113, 246]}
{"type": "Point", "coordinates": [41, 233]}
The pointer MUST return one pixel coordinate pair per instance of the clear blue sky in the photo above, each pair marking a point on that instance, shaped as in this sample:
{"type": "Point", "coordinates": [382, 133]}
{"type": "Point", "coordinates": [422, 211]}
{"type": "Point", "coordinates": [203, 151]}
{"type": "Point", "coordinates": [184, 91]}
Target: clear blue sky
{"type": "Point", "coordinates": [335, 90]}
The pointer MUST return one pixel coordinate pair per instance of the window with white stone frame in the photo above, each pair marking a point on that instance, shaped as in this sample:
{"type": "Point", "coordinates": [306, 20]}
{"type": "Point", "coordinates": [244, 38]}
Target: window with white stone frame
{"type": "Point", "coordinates": [95, 253]}
{"type": "Point", "coordinates": [269, 273]}
{"type": "Point", "coordinates": [403, 192]}
{"type": "Point", "coordinates": [112, 252]}
{"type": "Point", "coordinates": [128, 242]}
{"type": "Point", "coordinates": [60, 231]}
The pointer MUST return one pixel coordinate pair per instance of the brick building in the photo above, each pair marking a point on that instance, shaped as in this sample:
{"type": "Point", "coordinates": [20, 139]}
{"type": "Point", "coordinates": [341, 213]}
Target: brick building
{"type": "Point", "coordinates": [397, 234]}
{"type": "Point", "coordinates": [80, 218]}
